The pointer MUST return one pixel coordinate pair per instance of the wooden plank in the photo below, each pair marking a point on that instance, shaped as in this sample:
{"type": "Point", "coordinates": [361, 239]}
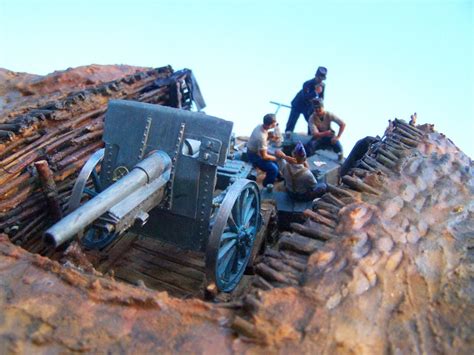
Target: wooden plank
{"type": "Point", "coordinates": [160, 274]}
{"type": "Point", "coordinates": [115, 251]}
{"type": "Point", "coordinates": [156, 261]}
{"type": "Point", "coordinates": [172, 253]}
{"type": "Point", "coordinates": [132, 276]}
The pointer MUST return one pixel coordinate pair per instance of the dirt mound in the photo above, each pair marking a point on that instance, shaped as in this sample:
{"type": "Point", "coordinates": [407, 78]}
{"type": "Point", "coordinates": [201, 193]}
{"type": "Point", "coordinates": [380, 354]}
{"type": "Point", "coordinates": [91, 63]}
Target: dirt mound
{"type": "Point", "coordinates": [17, 89]}
{"type": "Point", "coordinates": [47, 307]}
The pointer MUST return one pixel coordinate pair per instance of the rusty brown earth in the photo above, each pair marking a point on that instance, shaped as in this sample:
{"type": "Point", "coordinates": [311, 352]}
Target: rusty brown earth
{"type": "Point", "coordinates": [382, 264]}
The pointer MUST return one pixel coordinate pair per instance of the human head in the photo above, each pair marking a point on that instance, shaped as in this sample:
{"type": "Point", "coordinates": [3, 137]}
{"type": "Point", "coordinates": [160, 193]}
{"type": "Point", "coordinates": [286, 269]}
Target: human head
{"type": "Point", "coordinates": [269, 120]}
{"type": "Point", "coordinates": [321, 73]}
{"type": "Point", "coordinates": [299, 153]}
{"type": "Point", "coordinates": [318, 106]}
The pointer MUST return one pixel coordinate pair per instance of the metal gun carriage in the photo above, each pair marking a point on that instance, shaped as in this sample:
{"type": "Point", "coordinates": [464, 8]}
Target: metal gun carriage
{"type": "Point", "coordinates": [157, 176]}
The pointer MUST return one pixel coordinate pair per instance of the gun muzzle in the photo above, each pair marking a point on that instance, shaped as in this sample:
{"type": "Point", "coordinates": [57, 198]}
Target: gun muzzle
{"type": "Point", "coordinates": [143, 173]}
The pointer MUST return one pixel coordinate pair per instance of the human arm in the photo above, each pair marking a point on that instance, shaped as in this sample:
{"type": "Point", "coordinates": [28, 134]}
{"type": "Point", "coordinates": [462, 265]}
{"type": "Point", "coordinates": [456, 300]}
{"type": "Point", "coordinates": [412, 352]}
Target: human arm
{"type": "Point", "coordinates": [265, 155]}
{"type": "Point", "coordinates": [341, 125]}
{"type": "Point", "coordinates": [311, 90]}
{"type": "Point", "coordinates": [315, 132]}
{"type": "Point", "coordinates": [280, 155]}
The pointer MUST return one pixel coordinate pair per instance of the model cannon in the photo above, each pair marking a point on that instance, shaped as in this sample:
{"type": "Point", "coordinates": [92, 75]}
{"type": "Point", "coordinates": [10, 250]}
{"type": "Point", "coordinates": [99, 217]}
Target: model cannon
{"type": "Point", "coordinates": [157, 176]}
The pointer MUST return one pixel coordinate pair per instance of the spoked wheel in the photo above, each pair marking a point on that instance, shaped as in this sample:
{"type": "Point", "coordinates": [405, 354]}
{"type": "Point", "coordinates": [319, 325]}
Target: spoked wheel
{"type": "Point", "coordinates": [86, 187]}
{"type": "Point", "coordinates": [235, 226]}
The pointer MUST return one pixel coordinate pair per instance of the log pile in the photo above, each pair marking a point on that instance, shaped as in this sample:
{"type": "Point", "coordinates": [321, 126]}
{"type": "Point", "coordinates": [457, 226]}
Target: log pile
{"type": "Point", "coordinates": [64, 133]}
{"type": "Point", "coordinates": [364, 182]}
{"type": "Point", "coordinates": [377, 256]}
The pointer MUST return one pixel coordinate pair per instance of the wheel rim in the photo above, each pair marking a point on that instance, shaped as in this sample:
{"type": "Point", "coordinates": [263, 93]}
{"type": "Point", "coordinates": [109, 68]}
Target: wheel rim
{"type": "Point", "coordinates": [93, 238]}
{"type": "Point", "coordinates": [80, 187]}
{"type": "Point", "coordinates": [235, 225]}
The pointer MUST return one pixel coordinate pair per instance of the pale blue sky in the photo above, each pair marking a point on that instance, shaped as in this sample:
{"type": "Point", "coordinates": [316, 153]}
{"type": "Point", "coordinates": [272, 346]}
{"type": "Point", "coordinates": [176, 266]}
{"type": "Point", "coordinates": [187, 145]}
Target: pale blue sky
{"type": "Point", "coordinates": [385, 59]}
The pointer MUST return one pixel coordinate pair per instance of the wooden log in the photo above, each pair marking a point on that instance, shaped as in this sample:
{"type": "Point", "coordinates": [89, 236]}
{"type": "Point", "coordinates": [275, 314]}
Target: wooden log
{"type": "Point", "coordinates": [376, 165]}
{"type": "Point", "coordinates": [15, 128]}
{"type": "Point", "coordinates": [19, 214]}
{"type": "Point", "coordinates": [388, 154]}
{"type": "Point", "coordinates": [359, 185]}
{"type": "Point", "coordinates": [245, 328]}
{"type": "Point", "coordinates": [331, 199]}
{"type": "Point", "coordinates": [394, 151]}
{"type": "Point", "coordinates": [362, 173]}
{"type": "Point", "coordinates": [261, 283]}
{"type": "Point", "coordinates": [95, 114]}
{"type": "Point", "coordinates": [328, 214]}
{"type": "Point", "coordinates": [150, 94]}
{"type": "Point", "coordinates": [366, 166]}
{"type": "Point", "coordinates": [251, 303]}
{"type": "Point", "coordinates": [341, 192]}
{"type": "Point", "coordinates": [88, 150]}
{"type": "Point", "coordinates": [294, 264]}
{"type": "Point", "coordinates": [308, 232]}
{"type": "Point", "coordinates": [9, 203]}
{"type": "Point", "coordinates": [290, 255]}
{"type": "Point", "coordinates": [319, 218]}
{"type": "Point", "coordinates": [272, 253]}
{"type": "Point", "coordinates": [28, 227]}
{"type": "Point", "coordinates": [85, 139]}
{"type": "Point", "coordinates": [14, 145]}
{"type": "Point", "coordinates": [407, 141]}
{"type": "Point", "coordinates": [6, 134]}
{"type": "Point", "coordinates": [269, 273]}
{"type": "Point", "coordinates": [49, 188]}
{"type": "Point", "coordinates": [385, 161]}
{"type": "Point", "coordinates": [403, 132]}
{"type": "Point", "coordinates": [298, 244]}
{"type": "Point", "coordinates": [280, 266]}
{"type": "Point", "coordinates": [13, 183]}
{"type": "Point", "coordinates": [395, 138]}
{"type": "Point", "coordinates": [71, 169]}
{"type": "Point", "coordinates": [33, 239]}
{"type": "Point", "coordinates": [40, 143]}
{"type": "Point", "coordinates": [322, 230]}
{"type": "Point", "coordinates": [408, 126]}
{"type": "Point", "coordinates": [326, 206]}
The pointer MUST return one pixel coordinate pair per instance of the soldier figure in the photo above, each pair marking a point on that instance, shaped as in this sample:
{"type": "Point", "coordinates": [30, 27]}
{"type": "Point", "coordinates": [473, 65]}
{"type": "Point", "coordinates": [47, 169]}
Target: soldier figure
{"type": "Point", "coordinates": [301, 104]}
{"type": "Point", "coordinates": [300, 182]}
{"type": "Point", "coordinates": [320, 129]}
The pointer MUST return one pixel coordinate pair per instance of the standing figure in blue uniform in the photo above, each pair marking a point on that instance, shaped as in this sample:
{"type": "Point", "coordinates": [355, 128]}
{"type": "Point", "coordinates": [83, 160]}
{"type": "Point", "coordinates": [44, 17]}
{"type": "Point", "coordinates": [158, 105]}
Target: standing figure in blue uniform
{"type": "Point", "coordinates": [301, 104]}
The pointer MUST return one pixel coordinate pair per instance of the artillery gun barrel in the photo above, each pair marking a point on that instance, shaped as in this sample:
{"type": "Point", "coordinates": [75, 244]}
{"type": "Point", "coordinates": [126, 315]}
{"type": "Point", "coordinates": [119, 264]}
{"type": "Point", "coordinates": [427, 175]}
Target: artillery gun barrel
{"type": "Point", "coordinates": [146, 171]}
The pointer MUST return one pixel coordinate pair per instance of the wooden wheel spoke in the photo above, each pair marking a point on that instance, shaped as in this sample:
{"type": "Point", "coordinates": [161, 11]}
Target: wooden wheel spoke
{"type": "Point", "coordinates": [226, 265]}
{"type": "Point", "coordinates": [233, 234]}
{"type": "Point", "coordinates": [248, 202]}
{"type": "Point", "coordinates": [231, 266]}
{"type": "Point", "coordinates": [226, 248]}
{"type": "Point", "coordinates": [242, 201]}
{"type": "Point", "coordinates": [90, 192]}
{"type": "Point", "coordinates": [231, 223]}
{"type": "Point", "coordinates": [237, 213]}
{"type": "Point", "coordinates": [226, 236]}
{"type": "Point", "coordinates": [248, 216]}
{"type": "Point", "coordinates": [96, 180]}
